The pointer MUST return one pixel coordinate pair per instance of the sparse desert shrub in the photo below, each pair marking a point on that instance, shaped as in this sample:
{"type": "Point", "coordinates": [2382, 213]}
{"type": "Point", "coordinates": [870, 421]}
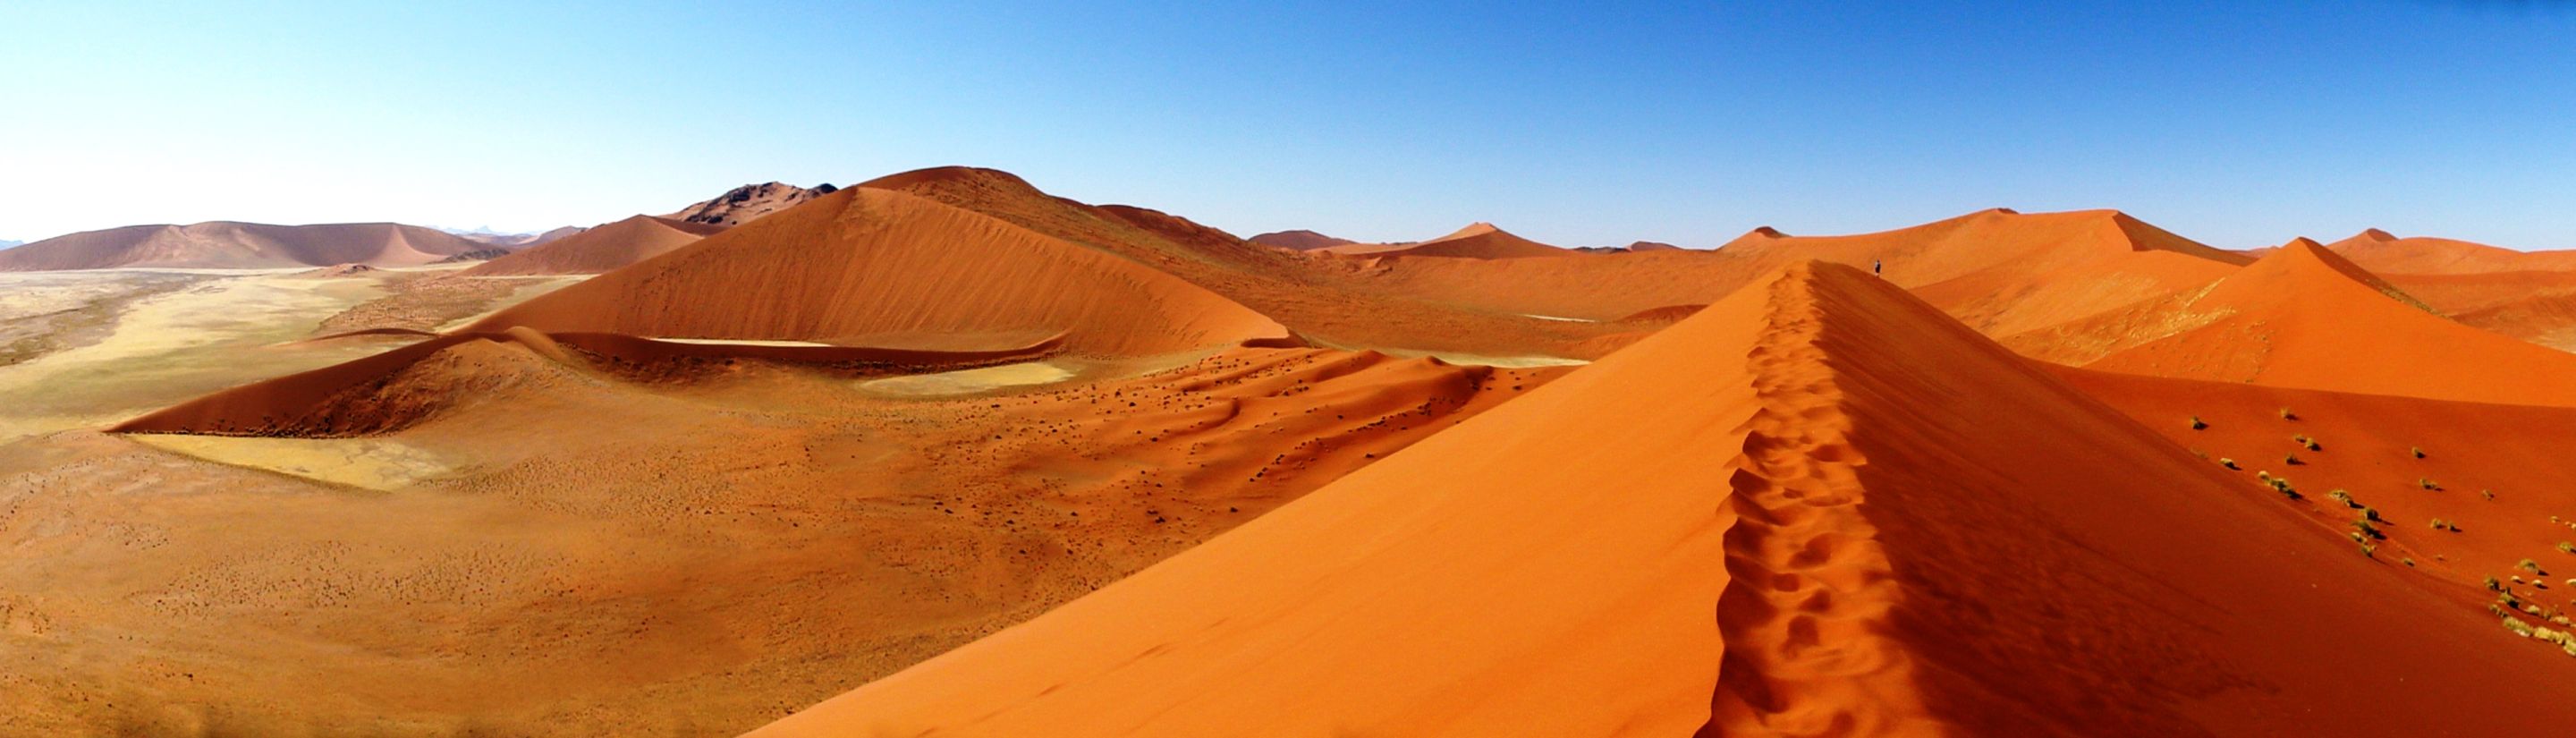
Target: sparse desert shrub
{"type": "Point", "coordinates": [2419, 451]}
{"type": "Point", "coordinates": [2229, 463]}
{"type": "Point", "coordinates": [2369, 551]}
{"type": "Point", "coordinates": [2427, 483]}
{"type": "Point", "coordinates": [2529, 566]}
{"type": "Point", "coordinates": [2343, 497]}
{"type": "Point", "coordinates": [2495, 585]}
{"type": "Point", "coordinates": [2196, 424]}
{"type": "Point", "coordinates": [2283, 486]}
{"type": "Point", "coordinates": [2487, 493]}
{"type": "Point", "coordinates": [2440, 524]}
{"type": "Point", "coordinates": [2292, 460]}
{"type": "Point", "coordinates": [2287, 415]}
{"type": "Point", "coordinates": [2566, 547]}
{"type": "Point", "coordinates": [2366, 529]}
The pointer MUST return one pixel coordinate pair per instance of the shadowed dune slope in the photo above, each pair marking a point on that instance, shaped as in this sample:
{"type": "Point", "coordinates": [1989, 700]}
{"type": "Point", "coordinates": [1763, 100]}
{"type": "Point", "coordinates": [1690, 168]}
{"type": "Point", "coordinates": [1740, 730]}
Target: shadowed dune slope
{"type": "Point", "coordinates": [2530, 295]}
{"type": "Point", "coordinates": [1825, 508]}
{"type": "Point", "coordinates": [600, 249]}
{"type": "Point", "coordinates": [869, 265]}
{"type": "Point", "coordinates": [227, 245]}
{"type": "Point", "coordinates": [747, 203]}
{"type": "Point", "coordinates": [2304, 317]}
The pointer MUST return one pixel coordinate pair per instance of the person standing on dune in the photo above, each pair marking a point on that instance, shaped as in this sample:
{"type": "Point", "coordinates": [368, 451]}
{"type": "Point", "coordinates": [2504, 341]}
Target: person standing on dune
{"type": "Point", "coordinates": [1874, 267]}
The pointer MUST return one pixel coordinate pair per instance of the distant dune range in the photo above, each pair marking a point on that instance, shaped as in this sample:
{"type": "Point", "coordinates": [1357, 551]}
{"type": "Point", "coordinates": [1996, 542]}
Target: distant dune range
{"type": "Point", "coordinates": [943, 454]}
{"type": "Point", "coordinates": [228, 245]}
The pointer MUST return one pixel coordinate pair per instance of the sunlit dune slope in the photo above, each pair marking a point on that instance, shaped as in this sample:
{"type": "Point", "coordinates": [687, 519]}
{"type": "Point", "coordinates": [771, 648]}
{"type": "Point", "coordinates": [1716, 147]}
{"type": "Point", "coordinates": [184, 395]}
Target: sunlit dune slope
{"type": "Point", "coordinates": [1818, 506]}
{"type": "Point", "coordinates": [867, 263]}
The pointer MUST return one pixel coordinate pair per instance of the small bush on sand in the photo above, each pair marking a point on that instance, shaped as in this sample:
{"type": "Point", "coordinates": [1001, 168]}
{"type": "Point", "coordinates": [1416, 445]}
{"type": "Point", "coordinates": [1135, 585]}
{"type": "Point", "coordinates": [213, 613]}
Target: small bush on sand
{"type": "Point", "coordinates": [2292, 460]}
{"type": "Point", "coordinates": [2419, 451]}
{"type": "Point", "coordinates": [2229, 463]}
{"type": "Point", "coordinates": [2287, 415]}
{"type": "Point", "coordinates": [2366, 529]}
{"type": "Point", "coordinates": [2196, 424]}
{"type": "Point", "coordinates": [2567, 547]}
{"type": "Point", "coordinates": [2487, 493]}
{"type": "Point", "coordinates": [2427, 483]}
{"type": "Point", "coordinates": [2529, 566]}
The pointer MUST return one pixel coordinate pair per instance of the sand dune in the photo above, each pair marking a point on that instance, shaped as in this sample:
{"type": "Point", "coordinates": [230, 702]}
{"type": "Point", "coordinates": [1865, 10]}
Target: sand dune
{"type": "Point", "coordinates": [599, 249]}
{"type": "Point", "coordinates": [2304, 317]}
{"type": "Point", "coordinates": [866, 263]}
{"type": "Point", "coordinates": [2529, 295]}
{"type": "Point", "coordinates": [2385, 253]}
{"type": "Point", "coordinates": [227, 245]}
{"type": "Point", "coordinates": [1893, 549]}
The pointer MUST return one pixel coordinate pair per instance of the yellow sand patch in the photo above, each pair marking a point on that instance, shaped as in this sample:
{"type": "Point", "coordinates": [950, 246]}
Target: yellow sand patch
{"type": "Point", "coordinates": [358, 462]}
{"type": "Point", "coordinates": [969, 381]}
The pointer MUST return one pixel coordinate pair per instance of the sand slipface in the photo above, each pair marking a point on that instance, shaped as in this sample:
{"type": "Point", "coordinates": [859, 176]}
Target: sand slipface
{"type": "Point", "coordinates": [1827, 508]}
{"type": "Point", "coordinates": [868, 262]}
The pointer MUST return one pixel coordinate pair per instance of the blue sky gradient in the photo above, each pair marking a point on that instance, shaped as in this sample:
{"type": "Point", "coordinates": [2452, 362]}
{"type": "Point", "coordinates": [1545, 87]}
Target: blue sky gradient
{"type": "Point", "coordinates": [2240, 124]}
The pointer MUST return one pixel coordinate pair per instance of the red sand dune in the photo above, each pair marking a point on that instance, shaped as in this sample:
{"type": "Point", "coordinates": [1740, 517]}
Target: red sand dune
{"type": "Point", "coordinates": [1835, 511]}
{"type": "Point", "coordinates": [2529, 295]}
{"type": "Point", "coordinates": [600, 249]}
{"type": "Point", "coordinates": [747, 203]}
{"type": "Point", "coordinates": [868, 265]}
{"type": "Point", "coordinates": [1323, 297]}
{"type": "Point", "coordinates": [2304, 317]}
{"type": "Point", "coordinates": [228, 245]}
{"type": "Point", "coordinates": [1476, 241]}
{"type": "Point", "coordinates": [1651, 246]}
{"type": "Point", "coordinates": [1298, 240]}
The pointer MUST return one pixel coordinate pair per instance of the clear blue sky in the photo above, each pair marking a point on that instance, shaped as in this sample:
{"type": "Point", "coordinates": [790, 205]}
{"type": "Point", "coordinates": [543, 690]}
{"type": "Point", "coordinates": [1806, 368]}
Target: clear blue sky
{"type": "Point", "coordinates": [2238, 123]}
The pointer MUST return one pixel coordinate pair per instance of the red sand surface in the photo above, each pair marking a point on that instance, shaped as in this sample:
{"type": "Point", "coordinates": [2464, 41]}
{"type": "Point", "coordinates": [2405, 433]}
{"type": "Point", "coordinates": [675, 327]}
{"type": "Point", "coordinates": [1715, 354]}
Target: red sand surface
{"type": "Point", "coordinates": [229, 245]}
{"type": "Point", "coordinates": [1829, 509]}
{"type": "Point", "coordinates": [863, 264]}
{"type": "Point", "coordinates": [600, 248]}
{"type": "Point", "coordinates": [2385, 253]}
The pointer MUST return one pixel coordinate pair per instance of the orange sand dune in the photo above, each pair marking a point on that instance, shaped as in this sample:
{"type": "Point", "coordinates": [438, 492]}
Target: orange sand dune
{"type": "Point", "coordinates": [227, 245]}
{"type": "Point", "coordinates": [1819, 506]}
{"type": "Point", "coordinates": [600, 249]}
{"type": "Point", "coordinates": [1322, 297]}
{"type": "Point", "coordinates": [868, 262]}
{"type": "Point", "coordinates": [2001, 272]}
{"type": "Point", "coordinates": [2304, 317]}
{"type": "Point", "coordinates": [2364, 447]}
{"type": "Point", "coordinates": [2384, 253]}
{"type": "Point", "coordinates": [2529, 295]}
{"type": "Point", "coordinates": [747, 203]}
{"type": "Point", "coordinates": [1298, 240]}
{"type": "Point", "coordinates": [1476, 241]}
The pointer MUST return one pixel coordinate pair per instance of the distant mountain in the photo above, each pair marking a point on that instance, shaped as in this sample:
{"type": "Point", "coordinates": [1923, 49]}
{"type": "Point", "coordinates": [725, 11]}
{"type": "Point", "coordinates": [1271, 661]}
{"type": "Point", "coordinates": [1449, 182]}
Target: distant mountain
{"type": "Point", "coordinates": [5, 244]}
{"type": "Point", "coordinates": [743, 204]}
{"type": "Point", "coordinates": [229, 245]}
